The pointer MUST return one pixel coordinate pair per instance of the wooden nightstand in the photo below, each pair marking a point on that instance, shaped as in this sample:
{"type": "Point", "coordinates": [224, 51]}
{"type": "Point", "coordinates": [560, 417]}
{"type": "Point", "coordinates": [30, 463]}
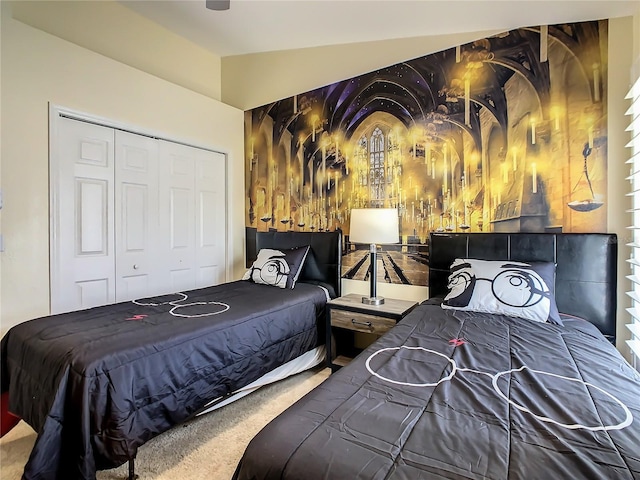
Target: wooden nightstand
{"type": "Point", "coordinates": [347, 315]}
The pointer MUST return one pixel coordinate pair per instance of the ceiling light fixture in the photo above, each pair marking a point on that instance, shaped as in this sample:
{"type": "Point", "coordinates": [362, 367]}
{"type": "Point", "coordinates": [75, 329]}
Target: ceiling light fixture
{"type": "Point", "coordinates": [217, 4]}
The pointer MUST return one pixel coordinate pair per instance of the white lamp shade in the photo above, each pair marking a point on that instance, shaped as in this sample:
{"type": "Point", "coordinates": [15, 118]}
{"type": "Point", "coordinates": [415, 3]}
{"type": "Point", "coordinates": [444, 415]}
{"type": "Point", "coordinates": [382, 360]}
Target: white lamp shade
{"type": "Point", "coordinates": [374, 225]}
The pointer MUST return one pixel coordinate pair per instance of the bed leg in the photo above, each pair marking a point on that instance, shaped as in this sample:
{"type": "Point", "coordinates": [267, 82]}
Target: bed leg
{"type": "Point", "coordinates": [132, 470]}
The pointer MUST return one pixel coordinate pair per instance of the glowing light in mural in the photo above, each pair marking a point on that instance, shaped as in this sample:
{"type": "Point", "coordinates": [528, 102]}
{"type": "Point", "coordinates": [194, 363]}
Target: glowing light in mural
{"type": "Point", "coordinates": [444, 170]}
{"type": "Point", "coordinates": [555, 112]}
{"type": "Point", "coordinates": [314, 121]}
{"type": "Point", "coordinates": [467, 101]}
{"type": "Point", "coordinates": [533, 131]}
{"type": "Point", "coordinates": [251, 156]}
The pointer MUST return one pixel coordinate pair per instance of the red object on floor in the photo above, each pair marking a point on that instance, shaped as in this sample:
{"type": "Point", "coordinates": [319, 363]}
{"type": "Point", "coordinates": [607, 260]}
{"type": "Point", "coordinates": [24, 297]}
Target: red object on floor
{"type": "Point", "coordinates": [7, 420]}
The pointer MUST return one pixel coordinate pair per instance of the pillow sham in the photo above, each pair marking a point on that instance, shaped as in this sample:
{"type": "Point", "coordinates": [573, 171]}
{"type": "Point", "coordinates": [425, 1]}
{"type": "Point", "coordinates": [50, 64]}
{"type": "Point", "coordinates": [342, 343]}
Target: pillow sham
{"type": "Point", "coordinates": [504, 287]}
{"type": "Point", "coordinates": [278, 268]}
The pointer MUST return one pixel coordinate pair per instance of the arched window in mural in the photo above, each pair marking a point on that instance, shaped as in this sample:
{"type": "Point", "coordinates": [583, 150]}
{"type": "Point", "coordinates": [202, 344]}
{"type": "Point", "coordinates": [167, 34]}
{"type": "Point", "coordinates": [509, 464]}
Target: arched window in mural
{"type": "Point", "coordinates": [376, 169]}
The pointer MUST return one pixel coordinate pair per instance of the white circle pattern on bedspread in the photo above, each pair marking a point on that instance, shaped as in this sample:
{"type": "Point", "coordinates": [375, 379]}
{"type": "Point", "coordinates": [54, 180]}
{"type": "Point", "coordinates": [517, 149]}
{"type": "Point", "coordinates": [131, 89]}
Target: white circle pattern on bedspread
{"type": "Point", "coordinates": [494, 381]}
{"type": "Point", "coordinates": [176, 305]}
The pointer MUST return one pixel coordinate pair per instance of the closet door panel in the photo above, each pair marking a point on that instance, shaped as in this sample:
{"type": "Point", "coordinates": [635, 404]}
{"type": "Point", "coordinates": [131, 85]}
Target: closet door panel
{"type": "Point", "coordinates": [92, 292]}
{"type": "Point", "coordinates": [211, 219]}
{"type": "Point", "coordinates": [82, 225]}
{"type": "Point", "coordinates": [137, 256]}
{"type": "Point", "coordinates": [177, 214]}
{"type": "Point", "coordinates": [92, 216]}
{"type": "Point", "coordinates": [180, 251]}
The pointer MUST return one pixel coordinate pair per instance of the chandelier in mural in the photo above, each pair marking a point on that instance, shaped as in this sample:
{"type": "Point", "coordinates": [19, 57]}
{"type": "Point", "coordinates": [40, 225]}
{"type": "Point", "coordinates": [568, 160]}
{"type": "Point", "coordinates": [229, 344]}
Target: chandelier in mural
{"type": "Point", "coordinates": [585, 204]}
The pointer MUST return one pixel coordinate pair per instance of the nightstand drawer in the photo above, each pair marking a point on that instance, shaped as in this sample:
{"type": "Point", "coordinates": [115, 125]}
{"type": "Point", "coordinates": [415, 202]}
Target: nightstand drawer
{"type": "Point", "coordinates": [361, 322]}
{"type": "Point", "coordinates": [349, 319]}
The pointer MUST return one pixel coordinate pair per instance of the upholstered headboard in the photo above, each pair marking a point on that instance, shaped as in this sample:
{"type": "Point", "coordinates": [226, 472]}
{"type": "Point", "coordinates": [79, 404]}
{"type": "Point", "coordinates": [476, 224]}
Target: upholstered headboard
{"type": "Point", "coordinates": [586, 266]}
{"type": "Point", "coordinates": [324, 261]}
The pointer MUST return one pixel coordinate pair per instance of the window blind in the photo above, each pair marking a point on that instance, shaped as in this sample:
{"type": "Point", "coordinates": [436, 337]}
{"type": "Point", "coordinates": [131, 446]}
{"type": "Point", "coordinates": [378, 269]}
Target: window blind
{"type": "Point", "coordinates": [634, 161]}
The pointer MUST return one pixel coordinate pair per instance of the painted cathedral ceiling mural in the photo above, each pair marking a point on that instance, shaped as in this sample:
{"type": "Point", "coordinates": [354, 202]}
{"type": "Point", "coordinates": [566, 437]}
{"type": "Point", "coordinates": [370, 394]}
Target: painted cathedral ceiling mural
{"type": "Point", "coordinates": [504, 134]}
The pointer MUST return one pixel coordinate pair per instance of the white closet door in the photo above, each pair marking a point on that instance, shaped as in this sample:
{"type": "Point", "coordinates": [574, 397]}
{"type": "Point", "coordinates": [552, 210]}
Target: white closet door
{"type": "Point", "coordinates": [192, 213]}
{"type": "Point", "coordinates": [82, 201]}
{"type": "Point", "coordinates": [138, 256]}
{"type": "Point", "coordinates": [177, 214]}
{"type": "Point", "coordinates": [132, 216]}
{"type": "Point", "coordinates": [211, 228]}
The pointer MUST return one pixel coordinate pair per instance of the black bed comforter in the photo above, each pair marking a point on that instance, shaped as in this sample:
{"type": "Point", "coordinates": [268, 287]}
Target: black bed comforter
{"type": "Point", "coordinates": [452, 395]}
{"type": "Point", "coordinates": [96, 384]}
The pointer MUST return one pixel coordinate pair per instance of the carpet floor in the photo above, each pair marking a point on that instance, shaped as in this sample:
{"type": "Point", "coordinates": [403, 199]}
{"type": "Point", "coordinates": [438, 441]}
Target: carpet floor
{"type": "Point", "coordinates": [208, 447]}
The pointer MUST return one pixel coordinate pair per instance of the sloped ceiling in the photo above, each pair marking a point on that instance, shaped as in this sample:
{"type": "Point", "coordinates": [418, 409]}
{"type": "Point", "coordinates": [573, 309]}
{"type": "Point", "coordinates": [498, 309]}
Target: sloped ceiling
{"type": "Point", "coordinates": [255, 26]}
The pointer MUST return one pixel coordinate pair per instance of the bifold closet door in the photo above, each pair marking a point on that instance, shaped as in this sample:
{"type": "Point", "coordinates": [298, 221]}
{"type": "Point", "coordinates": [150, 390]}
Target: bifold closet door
{"type": "Point", "coordinates": [132, 216]}
{"type": "Point", "coordinates": [138, 251]}
{"type": "Point", "coordinates": [82, 222]}
{"type": "Point", "coordinates": [192, 215]}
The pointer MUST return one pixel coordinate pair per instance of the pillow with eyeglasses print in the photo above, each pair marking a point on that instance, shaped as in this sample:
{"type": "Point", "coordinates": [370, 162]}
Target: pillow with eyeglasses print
{"type": "Point", "coordinates": [503, 287]}
{"type": "Point", "coordinates": [278, 268]}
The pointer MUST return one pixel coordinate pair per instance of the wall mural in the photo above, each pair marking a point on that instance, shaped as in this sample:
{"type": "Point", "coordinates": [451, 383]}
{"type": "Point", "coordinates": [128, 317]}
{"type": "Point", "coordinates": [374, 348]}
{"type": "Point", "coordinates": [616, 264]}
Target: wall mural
{"type": "Point", "coordinates": [504, 134]}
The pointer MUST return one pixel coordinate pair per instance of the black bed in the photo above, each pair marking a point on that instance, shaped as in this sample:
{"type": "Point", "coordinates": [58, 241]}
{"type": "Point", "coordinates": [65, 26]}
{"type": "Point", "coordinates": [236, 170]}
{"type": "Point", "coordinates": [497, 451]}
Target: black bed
{"type": "Point", "coordinates": [450, 393]}
{"type": "Point", "coordinates": [96, 384]}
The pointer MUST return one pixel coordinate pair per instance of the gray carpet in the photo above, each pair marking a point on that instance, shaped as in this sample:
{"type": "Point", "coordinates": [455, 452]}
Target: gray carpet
{"type": "Point", "coordinates": [208, 447]}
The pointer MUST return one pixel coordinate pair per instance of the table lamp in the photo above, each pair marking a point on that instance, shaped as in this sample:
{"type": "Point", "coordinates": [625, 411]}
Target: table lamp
{"type": "Point", "coordinates": [373, 226]}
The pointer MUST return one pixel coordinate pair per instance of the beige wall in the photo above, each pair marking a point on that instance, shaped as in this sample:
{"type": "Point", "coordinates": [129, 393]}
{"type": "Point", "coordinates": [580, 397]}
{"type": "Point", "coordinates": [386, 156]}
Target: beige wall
{"type": "Point", "coordinates": [117, 32]}
{"type": "Point", "coordinates": [252, 80]}
{"type": "Point", "coordinates": [38, 69]}
{"type": "Point", "coordinates": [636, 46]}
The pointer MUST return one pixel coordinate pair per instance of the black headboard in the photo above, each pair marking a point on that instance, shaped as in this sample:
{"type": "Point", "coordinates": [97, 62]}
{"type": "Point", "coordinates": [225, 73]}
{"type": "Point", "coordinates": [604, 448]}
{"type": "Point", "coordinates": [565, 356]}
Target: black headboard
{"type": "Point", "coordinates": [586, 266]}
{"type": "Point", "coordinates": [324, 262]}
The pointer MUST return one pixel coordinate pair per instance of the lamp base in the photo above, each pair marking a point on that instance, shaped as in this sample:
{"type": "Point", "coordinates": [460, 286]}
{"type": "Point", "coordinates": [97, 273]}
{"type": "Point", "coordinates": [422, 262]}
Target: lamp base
{"type": "Point", "coordinates": [373, 300]}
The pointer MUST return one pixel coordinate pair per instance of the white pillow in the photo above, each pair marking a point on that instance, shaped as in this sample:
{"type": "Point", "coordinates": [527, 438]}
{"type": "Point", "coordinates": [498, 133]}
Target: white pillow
{"type": "Point", "coordinates": [279, 268]}
{"type": "Point", "coordinates": [503, 287]}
